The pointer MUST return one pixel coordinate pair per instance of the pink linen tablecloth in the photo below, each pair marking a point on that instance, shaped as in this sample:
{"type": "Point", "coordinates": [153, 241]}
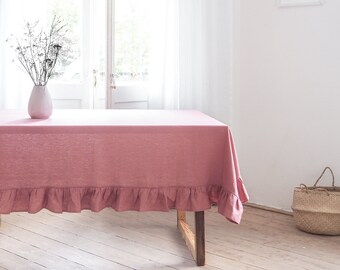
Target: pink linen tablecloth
{"type": "Point", "coordinates": [125, 159]}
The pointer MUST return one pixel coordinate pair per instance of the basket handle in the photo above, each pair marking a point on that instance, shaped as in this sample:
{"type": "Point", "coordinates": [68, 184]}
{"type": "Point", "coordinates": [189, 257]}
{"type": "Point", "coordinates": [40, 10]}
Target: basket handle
{"type": "Point", "coordinates": [305, 189]}
{"type": "Point", "coordinates": [327, 168]}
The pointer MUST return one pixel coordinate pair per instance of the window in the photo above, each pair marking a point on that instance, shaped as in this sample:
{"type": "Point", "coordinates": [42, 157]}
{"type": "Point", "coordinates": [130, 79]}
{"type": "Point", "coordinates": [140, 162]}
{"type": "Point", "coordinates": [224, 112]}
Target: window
{"type": "Point", "coordinates": [104, 60]}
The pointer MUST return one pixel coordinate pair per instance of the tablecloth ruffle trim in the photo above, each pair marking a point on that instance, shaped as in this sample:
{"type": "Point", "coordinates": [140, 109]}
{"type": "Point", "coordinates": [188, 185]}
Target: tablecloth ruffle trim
{"type": "Point", "coordinates": [121, 199]}
{"type": "Point", "coordinates": [233, 210]}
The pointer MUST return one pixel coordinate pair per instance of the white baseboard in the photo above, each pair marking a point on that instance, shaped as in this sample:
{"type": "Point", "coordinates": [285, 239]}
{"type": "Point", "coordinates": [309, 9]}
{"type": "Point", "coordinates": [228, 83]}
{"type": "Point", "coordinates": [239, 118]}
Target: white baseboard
{"type": "Point", "coordinates": [268, 208]}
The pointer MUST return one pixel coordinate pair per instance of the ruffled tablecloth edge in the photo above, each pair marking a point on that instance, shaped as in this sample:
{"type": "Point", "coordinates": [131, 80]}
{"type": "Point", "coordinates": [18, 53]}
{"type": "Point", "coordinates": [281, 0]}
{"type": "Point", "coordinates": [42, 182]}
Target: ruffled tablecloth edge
{"type": "Point", "coordinates": [76, 199]}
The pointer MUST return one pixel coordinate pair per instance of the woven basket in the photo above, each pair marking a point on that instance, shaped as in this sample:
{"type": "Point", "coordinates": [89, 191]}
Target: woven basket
{"type": "Point", "coordinates": [316, 209]}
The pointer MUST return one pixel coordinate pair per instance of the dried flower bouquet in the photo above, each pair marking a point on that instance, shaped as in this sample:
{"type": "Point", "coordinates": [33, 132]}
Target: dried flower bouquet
{"type": "Point", "coordinates": [38, 50]}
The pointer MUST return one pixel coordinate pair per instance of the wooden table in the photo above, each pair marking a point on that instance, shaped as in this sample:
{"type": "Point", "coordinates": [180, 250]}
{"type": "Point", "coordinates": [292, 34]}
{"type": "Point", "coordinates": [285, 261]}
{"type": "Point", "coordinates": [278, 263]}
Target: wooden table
{"type": "Point", "coordinates": [141, 160]}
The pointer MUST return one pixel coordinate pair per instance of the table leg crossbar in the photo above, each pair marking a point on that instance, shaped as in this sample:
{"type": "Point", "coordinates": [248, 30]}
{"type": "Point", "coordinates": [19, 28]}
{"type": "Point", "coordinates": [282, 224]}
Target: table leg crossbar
{"type": "Point", "coordinates": [195, 241]}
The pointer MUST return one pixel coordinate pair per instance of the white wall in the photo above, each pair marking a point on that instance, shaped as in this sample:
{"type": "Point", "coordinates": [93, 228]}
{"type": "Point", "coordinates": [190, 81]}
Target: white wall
{"type": "Point", "coordinates": [287, 96]}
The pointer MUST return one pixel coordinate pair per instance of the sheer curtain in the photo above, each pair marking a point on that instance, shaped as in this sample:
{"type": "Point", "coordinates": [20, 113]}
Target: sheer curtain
{"type": "Point", "coordinates": [164, 55]}
{"type": "Point", "coordinates": [191, 66]}
{"type": "Point", "coordinates": [2, 55]}
{"type": "Point", "coordinates": [15, 85]}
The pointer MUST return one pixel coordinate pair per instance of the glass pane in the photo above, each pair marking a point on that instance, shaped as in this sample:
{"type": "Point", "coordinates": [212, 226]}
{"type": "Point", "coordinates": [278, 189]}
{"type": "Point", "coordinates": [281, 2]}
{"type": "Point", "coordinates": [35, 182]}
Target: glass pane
{"type": "Point", "coordinates": [71, 12]}
{"type": "Point", "coordinates": [42, 12]}
{"type": "Point", "coordinates": [131, 40]}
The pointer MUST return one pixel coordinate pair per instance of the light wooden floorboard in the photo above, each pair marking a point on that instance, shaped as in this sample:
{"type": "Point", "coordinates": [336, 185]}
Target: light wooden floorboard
{"type": "Point", "coordinates": [150, 240]}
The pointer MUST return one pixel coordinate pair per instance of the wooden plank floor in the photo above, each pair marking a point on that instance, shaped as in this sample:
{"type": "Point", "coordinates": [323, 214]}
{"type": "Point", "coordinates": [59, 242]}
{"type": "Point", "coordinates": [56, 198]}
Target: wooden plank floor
{"type": "Point", "coordinates": [150, 240]}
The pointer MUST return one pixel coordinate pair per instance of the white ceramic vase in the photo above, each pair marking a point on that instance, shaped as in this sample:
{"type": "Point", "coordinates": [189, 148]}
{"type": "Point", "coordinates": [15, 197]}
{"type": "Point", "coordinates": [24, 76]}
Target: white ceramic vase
{"type": "Point", "coordinates": [40, 103]}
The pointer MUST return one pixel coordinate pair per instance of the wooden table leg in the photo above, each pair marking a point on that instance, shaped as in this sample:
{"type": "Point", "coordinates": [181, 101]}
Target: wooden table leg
{"type": "Point", "coordinates": [195, 241]}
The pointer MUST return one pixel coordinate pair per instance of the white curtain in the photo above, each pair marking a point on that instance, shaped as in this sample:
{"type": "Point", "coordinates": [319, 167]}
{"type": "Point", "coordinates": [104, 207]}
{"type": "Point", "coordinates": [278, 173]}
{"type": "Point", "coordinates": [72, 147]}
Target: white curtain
{"type": "Point", "coordinates": [191, 67]}
{"type": "Point", "coordinates": [164, 56]}
{"type": "Point", "coordinates": [15, 86]}
{"type": "Point", "coordinates": [2, 54]}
